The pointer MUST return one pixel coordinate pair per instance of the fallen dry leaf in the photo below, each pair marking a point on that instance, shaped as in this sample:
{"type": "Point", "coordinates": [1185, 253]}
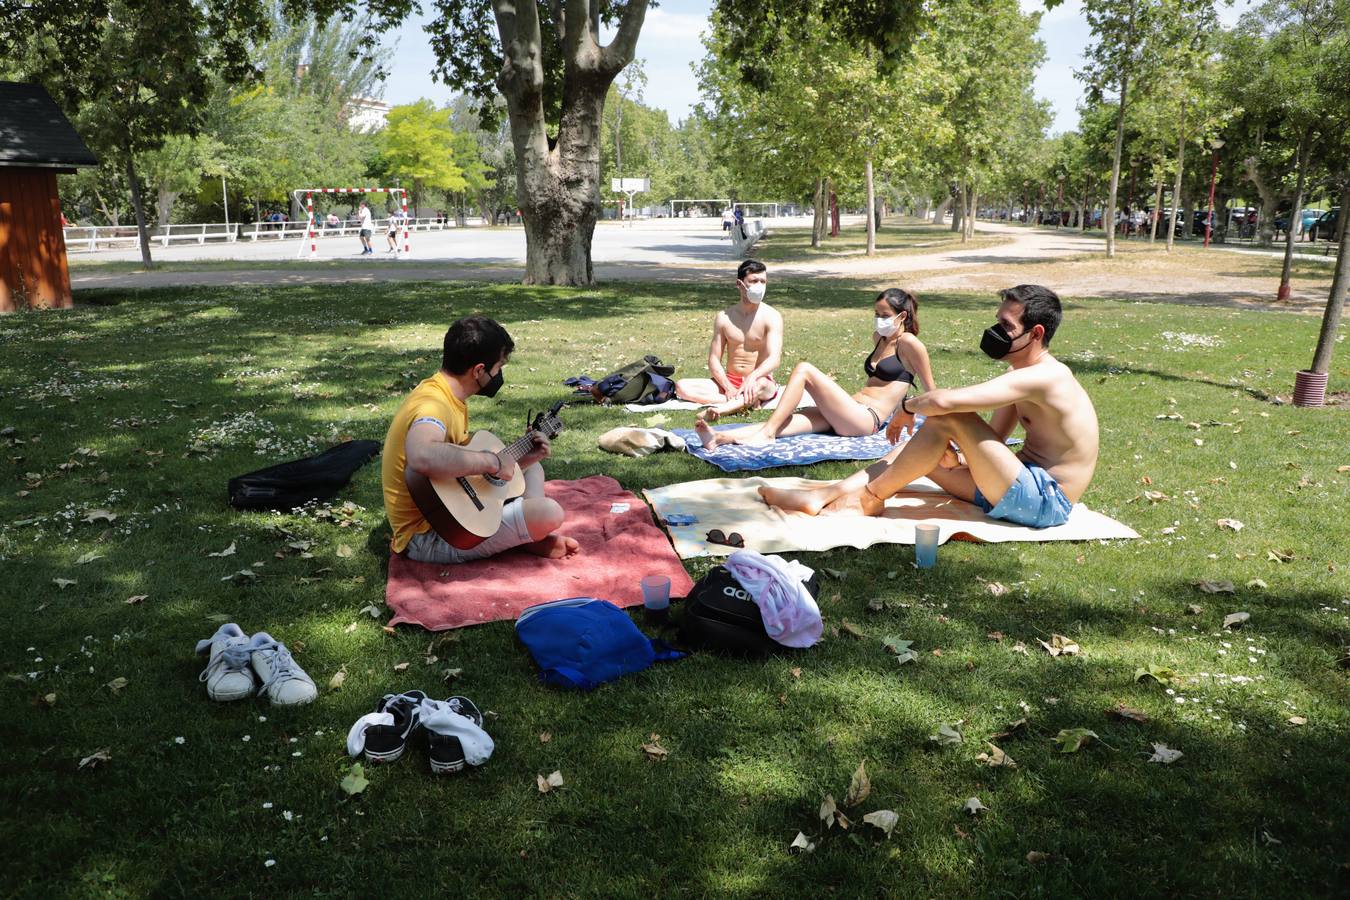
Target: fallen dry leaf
{"type": "Point", "coordinates": [89, 557]}
{"type": "Point", "coordinates": [1230, 524]}
{"type": "Point", "coordinates": [998, 589]}
{"type": "Point", "coordinates": [545, 737]}
{"type": "Point", "coordinates": [654, 750]}
{"type": "Point", "coordinates": [1194, 609]}
{"type": "Point", "coordinates": [1059, 645]}
{"type": "Point", "coordinates": [995, 758]}
{"type": "Point", "coordinates": [859, 785]}
{"type": "Point", "coordinates": [1035, 857]}
{"type": "Point", "coordinates": [1014, 729]}
{"type": "Point", "coordinates": [95, 515]}
{"type": "Point", "coordinates": [64, 583]}
{"type": "Point", "coordinates": [948, 734]}
{"type": "Point", "coordinates": [49, 699]}
{"type": "Point", "coordinates": [344, 551]}
{"type": "Point", "coordinates": [352, 627]}
{"type": "Point", "coordinates": [1128, 714]}
{"type": "Point", "coordinates": [1165, 754]}
{"type": "Point", "coordinates": [228, 551]}
{"type": "Point", "coordinates": [995, 636]}
{"type": "Point", "coordinates": [885, 819]}
{"type": "Point", "coordinates": [371, 610]}
{"type": "Point", "coordinates": [852, 630]}
{"type": "Point", "coordinates": [1280, 556]}
{"type": "Point", "coordinates": [136, 600]}
{"type": "Point", "coordinates": [974, 806]}
{"type": "Point", "coordinates": [1297, 721]}
{"type": "Point", "coordinates": [796, 671]}
{"type": "Point", "coordinates": [98, 757]}
{"type": "Point", "coordinates": [1257, 584]}
{"type": "Point", "coordinates": [117, 684]}
{"type": "Point", "coordinates": [551, 783]}
{"type": "Point", "coordinates": [338, 677]}
{"type": "Point", "coordinates": [1019, 647]}
{"type": "Point", "coordinates": [399, 667]}
{"type": "Point", "coordinates": [1236, 620]}
{"type": "Point", "coordinates": [801, 845]}
{"type": "Point", "coordinates": [1214, 587]}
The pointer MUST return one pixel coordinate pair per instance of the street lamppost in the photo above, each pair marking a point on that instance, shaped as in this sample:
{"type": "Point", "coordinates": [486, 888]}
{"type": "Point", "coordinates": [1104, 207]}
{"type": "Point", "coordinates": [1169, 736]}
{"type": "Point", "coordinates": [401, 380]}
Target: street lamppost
{"type": "Point", "coordinates": [1217, 145]}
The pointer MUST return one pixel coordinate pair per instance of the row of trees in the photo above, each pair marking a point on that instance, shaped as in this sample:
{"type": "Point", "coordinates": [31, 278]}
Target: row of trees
{"type": "Point", "coordinates": [807, 110]}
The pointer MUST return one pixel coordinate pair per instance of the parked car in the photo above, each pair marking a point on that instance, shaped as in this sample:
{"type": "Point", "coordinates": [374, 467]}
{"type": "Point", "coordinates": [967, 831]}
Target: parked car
{"type": "Point", "coordinates": [1325, 226]}
{"type": "Point", "coordinates": [1307, 217]}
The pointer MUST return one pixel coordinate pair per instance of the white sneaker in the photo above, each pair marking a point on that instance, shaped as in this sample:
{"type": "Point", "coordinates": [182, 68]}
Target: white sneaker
{"type": "Point", "coordinates": [227, 675]}
{"type": "Point", "coordinates": [284, 682]}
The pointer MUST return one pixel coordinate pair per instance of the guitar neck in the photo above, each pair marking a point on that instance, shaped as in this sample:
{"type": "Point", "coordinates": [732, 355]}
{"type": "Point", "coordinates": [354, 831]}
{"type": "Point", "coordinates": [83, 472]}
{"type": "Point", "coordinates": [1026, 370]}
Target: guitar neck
{"type": "Point", "coordinates": [522, 445]}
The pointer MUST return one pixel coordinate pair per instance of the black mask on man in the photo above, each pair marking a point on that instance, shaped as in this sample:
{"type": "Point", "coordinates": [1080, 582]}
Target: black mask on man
{"type": "Point", "coordinates": [493, 386]}
{"type": "Point", "coordinates": [995, 341]}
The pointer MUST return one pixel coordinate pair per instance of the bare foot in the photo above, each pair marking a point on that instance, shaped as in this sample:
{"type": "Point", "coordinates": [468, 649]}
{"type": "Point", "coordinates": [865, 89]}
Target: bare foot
{"type": "Point", "coordinates": [705, 433]}
{"type": "Point", "coordinates": [807, 501]}
{"type": "Point", "coordinates": [555, 546]}
{"type": "Point", "coordinates": [708, 414]}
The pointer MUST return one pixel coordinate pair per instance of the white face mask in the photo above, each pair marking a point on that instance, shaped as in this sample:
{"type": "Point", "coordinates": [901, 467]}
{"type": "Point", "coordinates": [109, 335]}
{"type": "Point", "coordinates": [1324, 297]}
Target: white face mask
{"type": "Point", "coordinates": [755, 292]}
{"type": "Point", "coordinates": [887, 327]}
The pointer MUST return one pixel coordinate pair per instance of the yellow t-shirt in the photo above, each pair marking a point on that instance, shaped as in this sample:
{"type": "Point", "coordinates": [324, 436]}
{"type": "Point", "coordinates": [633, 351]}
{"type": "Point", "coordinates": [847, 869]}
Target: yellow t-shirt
{"type": "Point", "coordinates": [431, 400]}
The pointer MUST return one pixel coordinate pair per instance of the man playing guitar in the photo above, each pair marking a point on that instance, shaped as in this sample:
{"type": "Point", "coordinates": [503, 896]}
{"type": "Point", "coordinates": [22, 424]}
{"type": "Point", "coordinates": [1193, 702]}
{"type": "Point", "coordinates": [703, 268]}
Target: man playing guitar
{"type": "Point", "coordinates": [428, 435]}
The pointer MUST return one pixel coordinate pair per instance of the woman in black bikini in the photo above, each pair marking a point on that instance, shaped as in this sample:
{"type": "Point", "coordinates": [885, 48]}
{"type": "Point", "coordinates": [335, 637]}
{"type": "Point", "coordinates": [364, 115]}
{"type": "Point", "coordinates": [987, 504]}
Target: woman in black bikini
{"type": "Point", "coordinates": [897, 358]}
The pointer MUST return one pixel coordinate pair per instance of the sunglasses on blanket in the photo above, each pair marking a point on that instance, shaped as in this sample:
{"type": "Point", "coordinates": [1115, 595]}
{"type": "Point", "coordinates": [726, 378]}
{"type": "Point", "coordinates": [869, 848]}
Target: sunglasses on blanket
{"type": "Point", "coordinates": [727, 540]}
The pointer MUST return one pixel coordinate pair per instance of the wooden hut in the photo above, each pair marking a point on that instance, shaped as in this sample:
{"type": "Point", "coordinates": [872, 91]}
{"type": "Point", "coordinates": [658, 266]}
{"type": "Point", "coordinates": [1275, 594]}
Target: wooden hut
{"type": "Point", "coordinates": [37, 142]}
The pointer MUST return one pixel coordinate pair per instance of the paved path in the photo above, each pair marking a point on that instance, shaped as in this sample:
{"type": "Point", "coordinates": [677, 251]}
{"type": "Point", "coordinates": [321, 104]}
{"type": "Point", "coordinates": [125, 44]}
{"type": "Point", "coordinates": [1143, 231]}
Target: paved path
{"type": "Point", "coordinates": [694, 250]}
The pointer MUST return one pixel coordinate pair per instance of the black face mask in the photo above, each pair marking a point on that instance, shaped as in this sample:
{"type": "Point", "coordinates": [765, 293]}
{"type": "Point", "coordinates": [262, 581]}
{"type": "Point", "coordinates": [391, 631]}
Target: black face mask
{"type": "Point", "coordinates": [995, 341]}
{"type": "Point", "coordinates": [493, 386]}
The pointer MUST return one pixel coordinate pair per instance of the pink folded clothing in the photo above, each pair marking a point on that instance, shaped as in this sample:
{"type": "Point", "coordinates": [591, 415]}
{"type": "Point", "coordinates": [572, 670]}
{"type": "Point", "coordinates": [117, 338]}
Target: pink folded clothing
{"type": "Point", "coordinates": [619, 544]}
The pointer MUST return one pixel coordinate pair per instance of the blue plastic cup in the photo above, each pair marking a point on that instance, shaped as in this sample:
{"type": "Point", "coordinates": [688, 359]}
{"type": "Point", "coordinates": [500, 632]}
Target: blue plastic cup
{"type": "Point", "coordinates": [925, 545]}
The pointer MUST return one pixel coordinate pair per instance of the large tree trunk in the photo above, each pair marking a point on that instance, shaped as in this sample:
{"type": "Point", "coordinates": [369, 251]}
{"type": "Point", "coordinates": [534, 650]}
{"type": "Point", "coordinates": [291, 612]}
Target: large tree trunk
{"type": "Point", "coordinates": [1109, 217]}
{"type": "Point", "coordinates": [558, 181]}
{"type": "Point", "coordinates": [139, 205]}
{"type": "Point", "coordinates": [164, 205]}
{"type": "Point", "coordinates": [1331, 319]}
{"type": "Point", "coordinates": [940, 215]}
{"type": "Point", "coordinates": [871, 210]}
{"type": "Point", "coordinates": [1295, 215]}
{"type": "Point", "coordinates": [1266, 218]}
{"type": "Point", "coordinates": [1176, 182]}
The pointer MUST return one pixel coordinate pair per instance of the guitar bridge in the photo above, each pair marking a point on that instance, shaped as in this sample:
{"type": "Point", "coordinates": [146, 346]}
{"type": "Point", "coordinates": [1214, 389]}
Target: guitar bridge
{"type": "Point", "coordinates": [470, 493]}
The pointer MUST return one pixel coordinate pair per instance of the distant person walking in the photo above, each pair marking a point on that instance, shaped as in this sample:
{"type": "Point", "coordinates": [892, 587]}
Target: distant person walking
{"type": "Point", "coordinates": [727, 218]}
{"type": "Point", "coordinates": [396, 218]}
{"type": "Point", "coordinates": [366, 228]}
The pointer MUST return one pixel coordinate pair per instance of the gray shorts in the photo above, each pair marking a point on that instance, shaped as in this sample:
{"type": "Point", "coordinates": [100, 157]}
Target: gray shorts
{"type": "Point", "coordinates": [365, 232]}
{"type": "Point", "coordinates": [430, 547]}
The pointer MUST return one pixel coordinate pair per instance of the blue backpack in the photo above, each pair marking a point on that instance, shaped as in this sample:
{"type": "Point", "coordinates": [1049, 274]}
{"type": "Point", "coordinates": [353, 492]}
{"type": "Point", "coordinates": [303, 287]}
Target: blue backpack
{"type": "Point", "coordinates": [581, 643]}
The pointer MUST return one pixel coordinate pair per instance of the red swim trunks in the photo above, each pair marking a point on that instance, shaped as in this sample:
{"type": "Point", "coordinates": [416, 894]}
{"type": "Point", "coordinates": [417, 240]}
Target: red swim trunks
{"type": "Point", "coordinates": [738, 380]}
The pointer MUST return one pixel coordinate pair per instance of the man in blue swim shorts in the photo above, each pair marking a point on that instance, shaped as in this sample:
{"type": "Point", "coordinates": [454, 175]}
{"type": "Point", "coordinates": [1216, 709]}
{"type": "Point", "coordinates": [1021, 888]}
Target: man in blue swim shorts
{"type": "Point", "coordinates": [966, 454]}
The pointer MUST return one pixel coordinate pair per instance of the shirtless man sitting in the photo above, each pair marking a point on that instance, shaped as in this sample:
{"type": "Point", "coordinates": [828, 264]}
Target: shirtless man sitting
{"type": "Point", "coordinates": [751, 336]}
{"type": "Point", "coordinates": [1038, 485]}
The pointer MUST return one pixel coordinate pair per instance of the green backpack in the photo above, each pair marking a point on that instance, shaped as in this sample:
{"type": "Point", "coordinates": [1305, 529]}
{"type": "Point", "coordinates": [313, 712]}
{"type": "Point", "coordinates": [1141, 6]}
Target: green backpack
{"type": "Point", "coordinates": [643, 381]}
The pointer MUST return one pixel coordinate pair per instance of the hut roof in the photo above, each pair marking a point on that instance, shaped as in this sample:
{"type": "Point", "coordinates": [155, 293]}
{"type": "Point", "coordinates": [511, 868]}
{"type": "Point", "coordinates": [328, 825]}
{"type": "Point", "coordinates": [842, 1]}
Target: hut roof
{"type": "Point", "coordinates": [35, 133]}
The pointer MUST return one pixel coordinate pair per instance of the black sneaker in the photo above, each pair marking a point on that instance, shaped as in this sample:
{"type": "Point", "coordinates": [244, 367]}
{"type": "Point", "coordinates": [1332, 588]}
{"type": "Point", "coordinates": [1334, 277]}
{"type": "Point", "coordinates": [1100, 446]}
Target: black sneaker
{"type": "Point", "coordinates": [386, 743]}
{"type": "Point", "coordinates": [445, 750]}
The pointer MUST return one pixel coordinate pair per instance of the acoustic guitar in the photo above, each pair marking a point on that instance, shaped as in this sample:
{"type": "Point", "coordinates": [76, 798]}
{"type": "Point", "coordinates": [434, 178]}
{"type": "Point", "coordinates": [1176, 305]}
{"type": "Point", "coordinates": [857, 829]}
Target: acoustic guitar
{"type": "Point", "coordinates": [466, 511]}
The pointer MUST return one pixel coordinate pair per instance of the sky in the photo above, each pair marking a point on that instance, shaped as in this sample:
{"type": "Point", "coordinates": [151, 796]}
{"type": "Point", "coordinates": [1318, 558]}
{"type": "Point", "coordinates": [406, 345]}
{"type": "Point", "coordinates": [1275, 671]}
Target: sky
{"type": "Point", "coordinates": [669, 46]}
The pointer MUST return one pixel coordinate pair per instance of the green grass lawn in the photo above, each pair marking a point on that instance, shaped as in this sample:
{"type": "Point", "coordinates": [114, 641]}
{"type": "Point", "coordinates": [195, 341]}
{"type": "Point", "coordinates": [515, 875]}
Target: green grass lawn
{"type": "Point", "coordinates": [143, 404]}
{"type": "Point", "coordinates": [896, 237]}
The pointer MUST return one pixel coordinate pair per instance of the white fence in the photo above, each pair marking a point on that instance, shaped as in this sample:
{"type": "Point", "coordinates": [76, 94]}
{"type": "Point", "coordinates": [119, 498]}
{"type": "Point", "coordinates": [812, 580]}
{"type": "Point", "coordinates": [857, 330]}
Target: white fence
{"type": "Point", "coordinates": [91, 238]}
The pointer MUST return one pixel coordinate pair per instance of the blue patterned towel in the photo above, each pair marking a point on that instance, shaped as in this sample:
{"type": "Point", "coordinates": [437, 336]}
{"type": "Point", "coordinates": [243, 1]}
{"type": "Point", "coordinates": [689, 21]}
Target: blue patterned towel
{"type": "Point", "coordinates": [797, 450]}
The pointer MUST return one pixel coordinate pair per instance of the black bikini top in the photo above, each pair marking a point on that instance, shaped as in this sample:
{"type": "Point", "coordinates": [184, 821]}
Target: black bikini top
{"type": "Point", "coordinates": [891, 368]}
